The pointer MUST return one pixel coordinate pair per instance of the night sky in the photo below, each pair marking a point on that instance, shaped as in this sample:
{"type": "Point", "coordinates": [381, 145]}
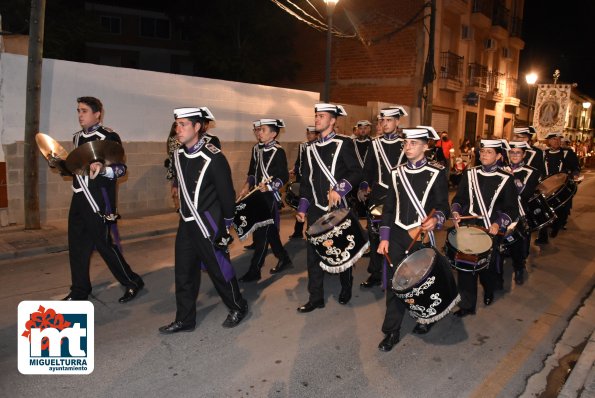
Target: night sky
{"type": "Point", "coordinates": [560, 36]}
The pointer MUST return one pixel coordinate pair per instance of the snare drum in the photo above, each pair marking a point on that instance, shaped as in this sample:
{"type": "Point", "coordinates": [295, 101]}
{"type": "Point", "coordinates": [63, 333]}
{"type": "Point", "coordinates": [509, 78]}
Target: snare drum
{"type": "Point", "coordinates": [513, 234]}
{"type": "Point", "coordinates": [468, 248]}
{"type": "Point", "coordinates": [292, 195]}
{"type": "Point", "coordinates": [557, 189]}
{"type": "Point", "coordinates": [252, 212]}
{"type": "Point", "coordinates": [339, 240]}
{"type": "Point", "coordinates": [424, 281]}
{"type": "Point", "coordinates": [375, 218]}
{"type": "Point", "coordinates": [537, 212]}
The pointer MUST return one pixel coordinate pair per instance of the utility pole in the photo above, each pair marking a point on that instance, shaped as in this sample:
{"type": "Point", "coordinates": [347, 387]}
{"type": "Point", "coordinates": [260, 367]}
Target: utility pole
{"type": "Point", "coordinates": [429, 70]}
{"type": "Point", "coordinates": [34, 64]}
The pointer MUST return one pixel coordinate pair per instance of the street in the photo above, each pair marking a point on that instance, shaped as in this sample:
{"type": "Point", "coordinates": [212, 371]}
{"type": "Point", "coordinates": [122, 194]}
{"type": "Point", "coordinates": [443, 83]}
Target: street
{"type": "Point", "coordinates": [277, 352]}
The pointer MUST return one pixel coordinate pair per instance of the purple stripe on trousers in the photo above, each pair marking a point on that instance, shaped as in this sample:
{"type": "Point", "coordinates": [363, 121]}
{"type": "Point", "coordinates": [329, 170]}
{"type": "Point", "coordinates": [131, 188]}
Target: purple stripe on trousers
{"type": "Point", "coordinates": [224, 265]}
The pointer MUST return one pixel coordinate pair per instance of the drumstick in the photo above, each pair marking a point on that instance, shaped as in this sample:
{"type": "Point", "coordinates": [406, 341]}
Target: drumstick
{"type": "Point", "coordinates": [419, 231]}
{"type": "Point", "coordinates": [388, 260]}
{"type": "Point", "coordinates": [256, 188]}
{"type": "Point", "coordinates": [465, 217]}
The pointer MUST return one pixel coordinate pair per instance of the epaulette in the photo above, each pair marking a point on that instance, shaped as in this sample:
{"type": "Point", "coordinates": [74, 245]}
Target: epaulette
{"type": "Point", "coordinates": [212, 148]}
{"type": "Point", "coordinates": [277, 145]}
{"type": "Point", "coordinates": [436, 164]}
{"type": "Point", "coordinates": [109, 130]}
{"type": "Point", "coordinates": [505, 169]}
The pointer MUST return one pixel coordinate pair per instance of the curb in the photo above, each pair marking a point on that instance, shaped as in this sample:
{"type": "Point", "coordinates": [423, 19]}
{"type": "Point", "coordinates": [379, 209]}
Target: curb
{"type": "Point", "coordinates": [581, 381]}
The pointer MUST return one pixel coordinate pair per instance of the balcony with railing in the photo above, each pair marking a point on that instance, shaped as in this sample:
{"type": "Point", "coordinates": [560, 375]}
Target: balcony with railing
{"type": "Point", "coordinates": [515, 29]}
{"type": "Point", "coordinates": [477, 79]}
{"type": "Point", "coordinates": [482, 12]}
{"type": "Point", "coordinates": [510, 97]}
{"type": "Point", "coordinates": [500, 20]}
{"type": "Point", "coordinates": [495, 86]}
{"type": "Point", "coordinates": [451, 71]}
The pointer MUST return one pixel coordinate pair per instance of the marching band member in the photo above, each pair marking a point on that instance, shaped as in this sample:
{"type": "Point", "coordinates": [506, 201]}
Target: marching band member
{"type": "Point", "coordinates": [207, 207]}
{"type": "Point", "coordinates": [270, 164]}
{"type": "Point", "coordinates": [533, 155]}
{"type": "Point", "coordinates": [489, 192]}
{"type": "Point", "coordinates": [330, 172]}
{"type": "Point", "coordinates": [414, 189]}
{"type": "Point", "coordinates": [93, 211]}
{"type": "Point", "coordinates": [362, 141]}
{"type": "Point", "coordinates": [311, 136]}
{"type": "Point", "coordinates": [526, 179]}
{"type": "Point", "coordinates": [386, 152]}
{"type": "Point", "coordinates": [558, 160]}
{"type": "Point", "coordinates": [255, 131]}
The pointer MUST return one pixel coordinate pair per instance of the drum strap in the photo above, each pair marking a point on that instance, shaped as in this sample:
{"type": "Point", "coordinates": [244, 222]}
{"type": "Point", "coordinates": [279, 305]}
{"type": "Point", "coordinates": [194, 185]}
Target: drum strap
{"type": "Point", "coordinates": [361, 160]}
{"type": "Point", "coordinates": [480, 201]}
{"type": "Point", "coordinates": [413, 198]}
{"type": "Point", "coordinates": [329, 176]}
{"type": "Point", "coordinates": [187, 199]}
{"type": "Point", "coordinates": [265, 172]}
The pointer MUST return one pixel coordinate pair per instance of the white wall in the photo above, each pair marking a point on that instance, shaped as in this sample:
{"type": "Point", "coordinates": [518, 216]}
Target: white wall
{"type": "Point", "coordinates": [139, 104]}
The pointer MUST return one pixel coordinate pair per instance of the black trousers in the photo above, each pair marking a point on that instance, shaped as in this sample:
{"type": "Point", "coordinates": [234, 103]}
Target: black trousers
{"type": "Point", "coordinates": [376, 260]}
{"type": "Point", "coordinates": [562, 212]}
{"type": "Point", "coordinates": [193, 252]}
{"type": "Point", "coordinates": [262, 238]}
{"type": "Point", "coordinates": [315, 272]}
{"type": "Point", "coordinates": [467, 281]}
{"type": "Point", "coordinates": [298, 228]}
{"type": "Point", "coordinates": [395, 307]}
{"type": "Point", "coordinates": [86, 231]}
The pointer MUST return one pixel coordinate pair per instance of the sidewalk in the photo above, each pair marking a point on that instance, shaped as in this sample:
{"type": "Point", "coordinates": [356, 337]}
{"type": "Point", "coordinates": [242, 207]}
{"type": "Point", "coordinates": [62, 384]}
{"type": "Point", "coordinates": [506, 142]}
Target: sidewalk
{"type": "Point", "coordinates": [16, 242]}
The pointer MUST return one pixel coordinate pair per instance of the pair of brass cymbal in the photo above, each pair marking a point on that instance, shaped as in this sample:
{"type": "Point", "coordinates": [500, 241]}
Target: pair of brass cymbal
{"type": "Point", "coordinates": [79, 160]}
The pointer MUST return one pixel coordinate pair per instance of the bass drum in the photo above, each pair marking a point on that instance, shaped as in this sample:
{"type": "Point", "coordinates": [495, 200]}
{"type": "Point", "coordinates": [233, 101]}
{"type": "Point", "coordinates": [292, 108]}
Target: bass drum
{"type": "Point", "coordinates": [252, 212]}
{"type": "Point", "coordinates": [538, 212]}
{"type": "Point", "coordinates": [292, 195]}
{"type": "Point", "coordinates": [557, 189]}
{"type": "Point", "coordinates": [339, 240]}
{"type": "Point", "coordinates": [424, 281]}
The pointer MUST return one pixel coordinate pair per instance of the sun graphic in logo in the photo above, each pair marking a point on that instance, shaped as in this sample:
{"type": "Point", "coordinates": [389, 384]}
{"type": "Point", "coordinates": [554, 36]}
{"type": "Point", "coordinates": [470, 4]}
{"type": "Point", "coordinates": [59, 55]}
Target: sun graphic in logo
{"type": "Point", "coordinates": [328, 243]}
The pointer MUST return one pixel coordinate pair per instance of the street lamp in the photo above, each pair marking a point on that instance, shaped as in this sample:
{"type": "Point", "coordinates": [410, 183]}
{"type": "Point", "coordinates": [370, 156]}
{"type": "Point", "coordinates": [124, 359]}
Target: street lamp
{"type": "Point", "coordinates": [531, 79]}
{"type": "Point", "coordinates": [330, 8]}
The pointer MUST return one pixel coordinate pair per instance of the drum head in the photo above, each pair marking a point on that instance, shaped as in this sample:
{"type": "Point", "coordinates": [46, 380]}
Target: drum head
{"type": "Point", "coordinates": [550, 185]}
{"type": "Point", "coordinates": [470, 240]}
{"type": "Point", "coordinates": [413, 269]}
{"type": "Point", "coordinates": [328, 222]}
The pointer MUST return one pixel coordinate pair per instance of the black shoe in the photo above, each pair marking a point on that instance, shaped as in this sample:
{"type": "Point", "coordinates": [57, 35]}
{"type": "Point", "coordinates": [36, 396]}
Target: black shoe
{"type": "Point", "coordinates": [389, 341]}
{"type": "Point", "coordinates": [250, 247]}
{"type": "Point", "coordinates": [488, 298]}
{"type": "Point", "coordinates": [344, 296]}
{"type": "Point", "coordinates": [309, 307]}
{"type": "Point", "coordinates": [71, 298]}
{"type": "Point", "coordinates": [422, 328]}
{"type": "Point", "coordinates": [461, 313]}
{"type": "Point", "coordinates": [540, 241]}
{"type": "Point", "coordinates": [371, 282]}
{"type": "Point", "coordinates": [296, 236]}
{"type": "Point", "coordinates": [282, 264]}
{"type": "Point", "coordinates": [175, 327]}
{"type": "Point", "coordinates": [519, 276]}
{"type": "Point", "coordinates": [131, 293]}
{"type": "Point", "coordinates": [250, 276]}
{"type": "Point", "coordinates": [234, 317]}
{"type": "Point", "coordinates": [563, 228]}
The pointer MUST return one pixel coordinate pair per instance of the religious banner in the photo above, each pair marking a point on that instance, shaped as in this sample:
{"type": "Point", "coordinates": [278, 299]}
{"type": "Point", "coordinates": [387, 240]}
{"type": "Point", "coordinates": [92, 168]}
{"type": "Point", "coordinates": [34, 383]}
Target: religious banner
{"type": "Point", "coordinates": [551, 106]}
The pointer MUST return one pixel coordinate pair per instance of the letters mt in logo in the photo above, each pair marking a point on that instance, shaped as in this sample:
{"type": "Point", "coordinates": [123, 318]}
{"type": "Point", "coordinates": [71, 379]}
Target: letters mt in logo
{"type": "Point", "coordinates": [56, 337]}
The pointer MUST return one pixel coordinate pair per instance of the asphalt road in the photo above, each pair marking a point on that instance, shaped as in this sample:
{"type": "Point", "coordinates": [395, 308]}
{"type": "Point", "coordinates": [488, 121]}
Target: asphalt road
{"type": "Point", "coordinates": [277, 352]}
